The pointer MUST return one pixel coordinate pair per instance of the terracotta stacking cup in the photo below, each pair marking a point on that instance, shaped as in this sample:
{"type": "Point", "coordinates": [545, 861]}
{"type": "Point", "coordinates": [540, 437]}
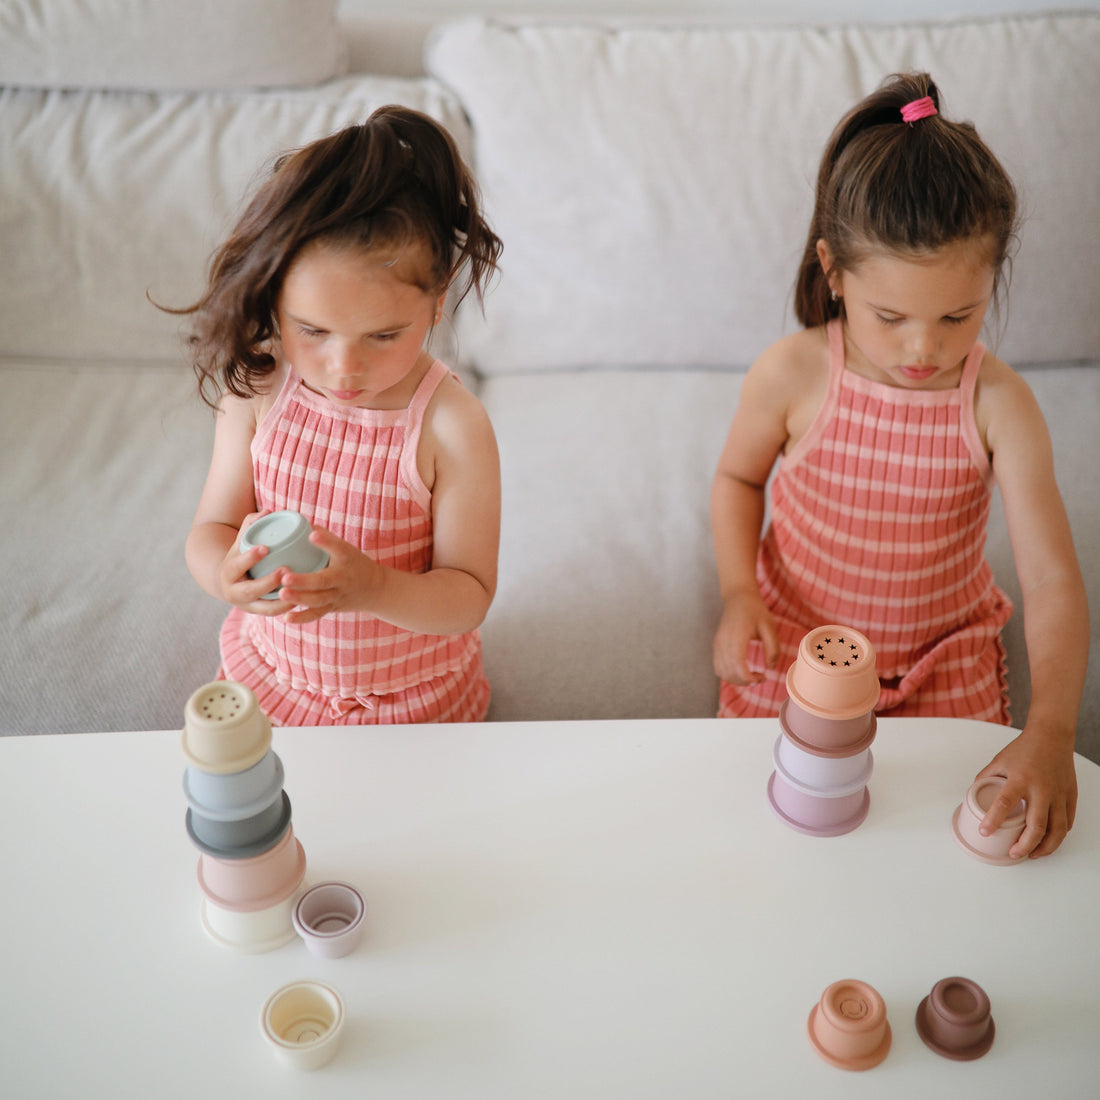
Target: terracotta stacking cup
{"type": "Point", "coordinates": [833, 675]}
{"type": "Point", "coordinates": [848, 1026]}
{"type": "Point", "coordinates": [224, 729]}
{"type": "Point", "coordinates": [992, 849]}
{"type": "Point", "coordinates": [286, 536]}
{"type": "Point", "coordinates": [255, 883]}
{"type": "Point", "coordinates": [329, 919]}
{"type": "Point", "coordinates": [954, 1020]}
{"type": "Point", "coordinates": [303, 1022]}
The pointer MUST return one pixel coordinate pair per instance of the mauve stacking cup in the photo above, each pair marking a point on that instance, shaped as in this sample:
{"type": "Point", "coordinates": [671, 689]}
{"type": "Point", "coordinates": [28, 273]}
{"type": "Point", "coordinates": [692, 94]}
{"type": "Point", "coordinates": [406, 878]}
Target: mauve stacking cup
{"type": "Point", "coordinates": [954, 1020]}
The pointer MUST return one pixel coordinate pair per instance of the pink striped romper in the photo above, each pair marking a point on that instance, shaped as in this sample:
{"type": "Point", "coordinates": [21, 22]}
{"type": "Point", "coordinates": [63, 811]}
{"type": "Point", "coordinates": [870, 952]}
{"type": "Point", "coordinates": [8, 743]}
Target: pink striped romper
{"type": "Point", "coordinates": [352, 471]}
{"type": "Point", "coordinates": [878, 519]}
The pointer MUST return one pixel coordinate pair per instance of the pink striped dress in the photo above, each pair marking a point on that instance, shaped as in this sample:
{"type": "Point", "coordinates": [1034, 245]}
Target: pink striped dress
{"type": "Point", "coordinates": [352, 471]}
{"type": "Point", "coordinates": [878, 519]}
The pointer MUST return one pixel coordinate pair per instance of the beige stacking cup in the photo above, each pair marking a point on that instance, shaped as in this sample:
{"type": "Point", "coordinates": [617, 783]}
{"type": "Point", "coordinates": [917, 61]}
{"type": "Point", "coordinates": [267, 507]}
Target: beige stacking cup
{"type": "Point", "coordinates": [224, 729]}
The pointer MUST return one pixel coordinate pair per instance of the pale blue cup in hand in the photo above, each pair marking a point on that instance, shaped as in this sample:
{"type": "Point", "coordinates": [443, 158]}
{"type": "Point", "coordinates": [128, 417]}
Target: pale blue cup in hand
{"type": "Point", "coordinates": [286, 536]}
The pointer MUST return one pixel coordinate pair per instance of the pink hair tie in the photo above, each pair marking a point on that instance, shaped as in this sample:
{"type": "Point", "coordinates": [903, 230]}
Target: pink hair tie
{"type": "Point", "coordinates": [918, 109]}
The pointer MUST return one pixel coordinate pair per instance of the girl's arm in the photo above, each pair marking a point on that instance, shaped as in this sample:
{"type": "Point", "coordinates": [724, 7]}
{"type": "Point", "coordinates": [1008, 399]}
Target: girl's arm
{"type": "Point", "coordinates": [459, 462]}
{"type": "Point", "coordinates": [228, 500]}
{"type": "Point", "coordinates": [1039, 763]}
{"type": "Point", "coordinates": [761, 429]}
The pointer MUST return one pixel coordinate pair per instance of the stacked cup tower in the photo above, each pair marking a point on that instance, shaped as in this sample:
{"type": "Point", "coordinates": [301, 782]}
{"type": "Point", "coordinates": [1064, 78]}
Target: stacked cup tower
{"type": "Point", "coordinates": [251, 866]}
{"type": "Point", "coordinates": [823, 755]}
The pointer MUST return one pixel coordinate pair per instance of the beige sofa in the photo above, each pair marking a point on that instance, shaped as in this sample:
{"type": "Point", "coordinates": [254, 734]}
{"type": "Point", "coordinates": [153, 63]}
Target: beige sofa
{"type": "Point", "coordinates": [652, 186]}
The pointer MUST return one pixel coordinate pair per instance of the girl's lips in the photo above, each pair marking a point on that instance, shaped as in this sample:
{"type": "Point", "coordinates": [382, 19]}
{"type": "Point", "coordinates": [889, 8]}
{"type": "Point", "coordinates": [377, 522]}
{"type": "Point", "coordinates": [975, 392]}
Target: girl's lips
{"type": "Point", "coordinates": [345, 395]}
{"type": "Point", "coordinates": [918, 374]}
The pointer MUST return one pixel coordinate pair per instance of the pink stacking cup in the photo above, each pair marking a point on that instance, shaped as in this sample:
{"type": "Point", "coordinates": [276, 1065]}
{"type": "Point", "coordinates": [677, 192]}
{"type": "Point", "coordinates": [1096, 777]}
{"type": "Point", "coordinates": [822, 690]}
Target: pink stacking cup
{"type": "Point", "coordinates": [992, 849]}
{"type": "Point", "coordinates": [257, 882]}
{"type": "Point", "coordinates": [814, 811]}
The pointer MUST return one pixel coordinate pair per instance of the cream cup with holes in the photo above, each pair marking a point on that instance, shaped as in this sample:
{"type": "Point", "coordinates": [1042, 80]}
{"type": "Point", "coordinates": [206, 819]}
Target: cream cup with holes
{"type": "Point", "coordinates": [303, 1022]}
{"type": "Point", "coordinates": [818, 811]}
{"type": "Point", "coordinates": [257, 882]}
{"type": "Point", "coordinates": [234, 794]}
{"type": "Point", "coordinates": [286, 536]}
{"type": "Point", "coordinates": [848, 1026]}
{"type": "Point", "coordinates": [329, 919]}
{"type": "Point", "coordinates": [822, 772]}
{"type": "Point", "coordinates": [954, 1020]}
{"type": "Point", "coordinates": [224, 729]}
{"type": "Point", "coordinates": [992, 849]}
{"type": "Point", "coordinates": [833, 675]}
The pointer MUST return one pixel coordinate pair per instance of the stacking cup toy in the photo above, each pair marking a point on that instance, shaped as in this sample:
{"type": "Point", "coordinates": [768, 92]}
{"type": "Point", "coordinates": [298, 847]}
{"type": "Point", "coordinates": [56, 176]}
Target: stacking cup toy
{"type": "Point", "coordinates": [303, 1022]}
{"type": "Point", "coordinates": [827, 724]}
{"type": "Point", "coordinates": [848, 1026]}
{"type": "Point", "coordinates": [954, 1020]}
{"type": "Point", "coordinates": [234, 794]}
{"type": "Point", "coordinates": [818, 812]}
{"type": "Point", "coordinates": [329, 919]}
{"type": "Point", "coordinates": [286, 536]}
{"type": "Point", "coordinates": [251, 866]}
{"type": "Point", "coordinates": [833, 675]}
{"type": "Point", "coordinates": [240, 837]}
{"type": "Point", "coordinates": [968, 816]}
{"type": "Point", "coordinates": [224, 729]}
{"type": "Point", "coordinates": [255, 883]}
{"type": "Point", "coordinates": [249, 930]}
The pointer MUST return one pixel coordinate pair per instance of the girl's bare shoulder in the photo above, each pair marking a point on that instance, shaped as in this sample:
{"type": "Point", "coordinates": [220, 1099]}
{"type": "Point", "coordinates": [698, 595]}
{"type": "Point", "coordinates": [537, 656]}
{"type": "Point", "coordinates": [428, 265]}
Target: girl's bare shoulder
{"type": "Point", "coordinates": [1004, 404]}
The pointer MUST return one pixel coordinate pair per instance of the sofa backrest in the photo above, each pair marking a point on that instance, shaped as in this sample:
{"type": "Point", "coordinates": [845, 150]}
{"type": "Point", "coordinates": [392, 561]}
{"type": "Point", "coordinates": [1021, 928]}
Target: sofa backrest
{"type": "Point", "coordinates": [653, 183]}
{"type": "Point", "coordinates": [106, 195]}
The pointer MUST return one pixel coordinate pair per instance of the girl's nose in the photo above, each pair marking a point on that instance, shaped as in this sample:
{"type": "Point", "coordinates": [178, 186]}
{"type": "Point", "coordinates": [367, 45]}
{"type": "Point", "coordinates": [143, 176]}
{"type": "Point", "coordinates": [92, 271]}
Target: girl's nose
{"type": "Point", "coordinates": [922, 342]}
{"type": "Point", "coordinates": [344, 361]}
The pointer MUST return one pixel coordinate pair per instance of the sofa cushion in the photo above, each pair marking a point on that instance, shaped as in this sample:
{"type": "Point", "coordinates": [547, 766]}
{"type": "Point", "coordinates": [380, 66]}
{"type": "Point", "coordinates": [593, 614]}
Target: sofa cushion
{"type": "Point", "coordinates": [169, 44]}
{"type": "Point", "coordinates": [105, 196]}
{"type": "Point", "coordinates": [653, 184]}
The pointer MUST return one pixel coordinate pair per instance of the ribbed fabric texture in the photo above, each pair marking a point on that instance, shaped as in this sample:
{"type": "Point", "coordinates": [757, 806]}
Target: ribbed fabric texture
{"type": "Point", "coordinates": [878, 522]}
{"type": "Point", "coordinates": [352, 471]}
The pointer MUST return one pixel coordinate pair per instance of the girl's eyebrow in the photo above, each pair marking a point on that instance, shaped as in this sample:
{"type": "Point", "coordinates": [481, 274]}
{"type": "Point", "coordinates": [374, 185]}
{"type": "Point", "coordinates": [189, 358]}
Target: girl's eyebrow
{"type": "Point", "coordinates": [400, 326]}
{"type": "Point", "coordinates": [901, 313]}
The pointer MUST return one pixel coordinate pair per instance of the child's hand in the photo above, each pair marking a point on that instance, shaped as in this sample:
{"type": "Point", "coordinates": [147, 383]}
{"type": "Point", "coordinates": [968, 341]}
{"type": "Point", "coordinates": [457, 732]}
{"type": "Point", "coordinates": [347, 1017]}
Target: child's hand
{"type": "Point", "coordinates": [241, 590]}
{"type": "Point", "coordinates": [744, 619]}
{"type": "Point", "coordinates": [344, 584]}
{"type": "Point", "coordinates": [1043, 775]}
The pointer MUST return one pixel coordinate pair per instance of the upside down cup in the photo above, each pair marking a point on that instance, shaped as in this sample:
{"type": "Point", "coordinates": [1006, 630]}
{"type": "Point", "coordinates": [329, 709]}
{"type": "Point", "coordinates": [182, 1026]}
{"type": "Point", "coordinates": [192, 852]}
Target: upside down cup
{"type": "Point", "coordinates": [240, 838]}
{"type": "Point", "coordinates": [822, 772]}
{"type": "Point", "coordinates": [954, 1020]}
{"type": "Point", "coordinates": [992, 849]}
{"type": "Point", "coordinates": [817, 812]}
{"type": "Point", "coordinates": [234, 794]}
{"type": "Point", "coordinates": [848, 1026]}
{"type": "Point", "coordinates": [833, 737]}
{"type": "Point", "coordinates": [833, 675]}
{"type": "Point", "coordinates": [224, 729]}
{"type": "Point", "coordinates": [303, 1022]}
{"type": "Point", "coordinates": [286, 536]}
{"type": "Point", "coordinates": [249, 930]}
{"type": "Point", "coordinates": [255, 883]}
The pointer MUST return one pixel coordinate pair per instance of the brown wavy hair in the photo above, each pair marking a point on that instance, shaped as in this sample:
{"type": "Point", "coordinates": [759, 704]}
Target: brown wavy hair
{"type": "Point", "coordinates": [395, 180]}
{"type": "Point", "coordinates": [906, 188]}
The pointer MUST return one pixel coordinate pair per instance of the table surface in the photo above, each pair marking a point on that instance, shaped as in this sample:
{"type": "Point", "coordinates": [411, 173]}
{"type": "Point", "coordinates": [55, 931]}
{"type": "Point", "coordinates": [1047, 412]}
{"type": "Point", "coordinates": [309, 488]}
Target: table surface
{"type": "Point", "coordinates": [582, 909]}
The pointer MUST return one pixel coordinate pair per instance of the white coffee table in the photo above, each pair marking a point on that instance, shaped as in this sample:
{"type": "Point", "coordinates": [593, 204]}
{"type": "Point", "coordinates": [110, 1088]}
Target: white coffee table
{"type": "Point", "coordinates": [588, 909]}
